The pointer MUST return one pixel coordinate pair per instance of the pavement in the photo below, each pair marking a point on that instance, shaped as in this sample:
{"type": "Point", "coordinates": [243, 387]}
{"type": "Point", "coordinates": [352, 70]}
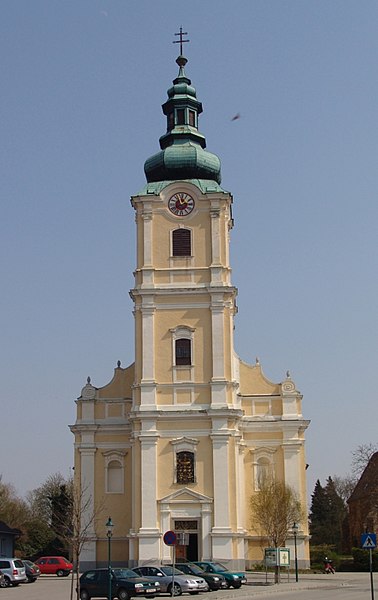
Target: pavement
{"type": "Point", "coordinates": [259, 583]}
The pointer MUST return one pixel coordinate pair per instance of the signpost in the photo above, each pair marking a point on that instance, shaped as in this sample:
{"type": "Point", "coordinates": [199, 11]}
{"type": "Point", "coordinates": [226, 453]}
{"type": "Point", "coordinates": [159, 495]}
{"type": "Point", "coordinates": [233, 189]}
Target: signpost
{"type": "Point", "coordinates": [170, 539]}
{"type": "Point", "coordinates": [369, 542]}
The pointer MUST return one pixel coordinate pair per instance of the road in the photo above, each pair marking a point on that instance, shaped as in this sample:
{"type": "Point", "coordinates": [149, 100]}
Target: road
{"type": "Point", "coordinates": [341, 586]}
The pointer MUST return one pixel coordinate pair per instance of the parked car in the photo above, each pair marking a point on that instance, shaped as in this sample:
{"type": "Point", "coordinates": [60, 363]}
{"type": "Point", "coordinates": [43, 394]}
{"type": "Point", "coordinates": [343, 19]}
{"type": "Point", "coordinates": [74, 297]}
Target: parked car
{"type": "Point", "coordinates": [214, 581]}
{"type": "Point", "coordinates": [232, 579]}
{"type": "Point", "coordinates": [13, 571]}
{"type": "Point", "coordinates": [2, 580]}
{"type": "Point", "coordinates": [54, 565]}
{"type": "Point", "coordinates": [167, 576]}
{"type": "Point", "coordinates": [125, 584]}
{"type": "Point", "coordinates": [32, 571]}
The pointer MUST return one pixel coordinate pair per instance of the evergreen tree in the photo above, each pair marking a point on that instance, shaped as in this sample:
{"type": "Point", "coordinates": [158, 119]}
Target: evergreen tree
{"type": "Point", "coordinates": [337, 514]}
{"type": "Point", "coordinates": [327, 514]}
{"type": "Point", "coordinates": [318, 516]}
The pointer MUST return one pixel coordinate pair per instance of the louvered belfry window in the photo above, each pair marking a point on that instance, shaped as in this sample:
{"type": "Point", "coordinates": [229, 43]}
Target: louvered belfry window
{"type": "Point", "coordinates": [183, 352]}
{"type": "Point", "coordinates": [181, 242]}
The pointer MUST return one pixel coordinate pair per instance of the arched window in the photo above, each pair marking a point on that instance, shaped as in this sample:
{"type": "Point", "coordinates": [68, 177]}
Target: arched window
{"type": "Point", "coordinates": [183, 352]}
{"type": "Point", "coordinates": [185, 467]}
{"type": "Point", "coordinates": [114, 480]}
{"type": "Point", "coordinates": [181, 242]}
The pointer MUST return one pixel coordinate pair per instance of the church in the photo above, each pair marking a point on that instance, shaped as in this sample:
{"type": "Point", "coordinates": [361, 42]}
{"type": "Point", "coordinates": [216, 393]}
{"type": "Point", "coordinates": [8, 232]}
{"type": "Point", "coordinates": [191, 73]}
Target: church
{"type": "Point", "coordinates": [179, 440]}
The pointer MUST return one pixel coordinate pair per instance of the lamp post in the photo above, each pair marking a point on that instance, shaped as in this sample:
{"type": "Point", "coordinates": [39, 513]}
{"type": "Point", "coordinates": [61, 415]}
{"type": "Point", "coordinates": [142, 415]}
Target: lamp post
{"type": "Point", "coordinates": [109, 525]}
{"type": "Point", "coordinates": [295, 533]}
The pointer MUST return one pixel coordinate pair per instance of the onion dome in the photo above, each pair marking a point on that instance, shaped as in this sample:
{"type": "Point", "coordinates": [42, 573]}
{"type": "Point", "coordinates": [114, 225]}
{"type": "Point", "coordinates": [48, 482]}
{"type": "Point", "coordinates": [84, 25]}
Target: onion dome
{"type": "Point", "coordinates": [183, 154]}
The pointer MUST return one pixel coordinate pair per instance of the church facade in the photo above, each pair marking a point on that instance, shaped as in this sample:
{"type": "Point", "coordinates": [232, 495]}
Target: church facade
{"type": "Point", "coordinates": [179, 440]}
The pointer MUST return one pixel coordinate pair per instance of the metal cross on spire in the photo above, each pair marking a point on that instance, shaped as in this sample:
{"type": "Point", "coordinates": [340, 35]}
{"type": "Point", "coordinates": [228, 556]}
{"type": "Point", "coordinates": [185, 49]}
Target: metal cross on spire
{"type": "Point", "coordinates": [181, 41]}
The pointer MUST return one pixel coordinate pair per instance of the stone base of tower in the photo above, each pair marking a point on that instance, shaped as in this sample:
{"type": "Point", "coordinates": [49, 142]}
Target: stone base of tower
{"type": "Point", "coordinates": [88, 556]}
{"type": "Point", "coordinates": [149, 544]}
{"type": "Point", "coordinates": [227, 549]}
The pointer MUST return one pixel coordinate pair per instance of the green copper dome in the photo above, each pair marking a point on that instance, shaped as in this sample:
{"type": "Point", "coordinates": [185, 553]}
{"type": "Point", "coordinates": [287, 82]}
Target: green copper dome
{"type": "Point", "coordinates": [183, 154]}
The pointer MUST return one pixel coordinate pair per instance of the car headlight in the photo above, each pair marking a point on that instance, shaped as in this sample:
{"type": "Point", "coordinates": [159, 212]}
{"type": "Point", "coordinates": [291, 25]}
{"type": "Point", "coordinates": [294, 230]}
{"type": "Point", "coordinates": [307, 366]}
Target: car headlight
{"type": "Point", "coordinates": [235, 577]}
{"type": "Point", "coordinates": [139, 585]}
{"type": "Point", "coordinates": [215, 578]}
{"type": "Point", "coordinates": [191, 581]}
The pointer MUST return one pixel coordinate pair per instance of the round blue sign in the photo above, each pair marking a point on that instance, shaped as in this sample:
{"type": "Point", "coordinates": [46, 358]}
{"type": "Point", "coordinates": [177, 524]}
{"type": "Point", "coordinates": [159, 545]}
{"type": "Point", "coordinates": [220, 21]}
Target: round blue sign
{"type": "Point", "coordinates": [170, 538]}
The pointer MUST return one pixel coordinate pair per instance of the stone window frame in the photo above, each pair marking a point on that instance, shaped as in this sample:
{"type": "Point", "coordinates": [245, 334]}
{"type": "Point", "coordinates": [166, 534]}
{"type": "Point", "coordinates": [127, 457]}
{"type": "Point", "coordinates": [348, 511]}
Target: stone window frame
{"type": "Point", "coordinates": [263, 457]}
{"type": "Point", "coordinates": [184, 444]}
{"type": "Point", "coordinates": [115, 456]}
{"type": "Point", "coordinates": [182, 332]}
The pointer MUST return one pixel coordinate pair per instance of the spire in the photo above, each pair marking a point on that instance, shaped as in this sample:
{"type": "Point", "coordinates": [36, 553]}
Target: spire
{"type": "Point", "coordinates": [183, 154]}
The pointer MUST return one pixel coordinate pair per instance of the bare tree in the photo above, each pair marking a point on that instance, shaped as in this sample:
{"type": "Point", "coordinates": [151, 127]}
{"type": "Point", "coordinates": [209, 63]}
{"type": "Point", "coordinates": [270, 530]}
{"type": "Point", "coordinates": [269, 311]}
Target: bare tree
{"type": "Point", "coordinates": [361, 456]}
{"type": "Point", "coordinates": [76, 531]}
{"type": "Point", "coordinates": [275, 507]}
{"type": "Point", "coordinates": [344, 486]}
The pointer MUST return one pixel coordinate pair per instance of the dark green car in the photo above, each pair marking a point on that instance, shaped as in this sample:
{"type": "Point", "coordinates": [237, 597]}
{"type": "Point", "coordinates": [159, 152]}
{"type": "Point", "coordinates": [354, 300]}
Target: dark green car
{"type": "Point", "coordinates": [232, 579]}
{"type": "Point", "coordinates": [125, 584]}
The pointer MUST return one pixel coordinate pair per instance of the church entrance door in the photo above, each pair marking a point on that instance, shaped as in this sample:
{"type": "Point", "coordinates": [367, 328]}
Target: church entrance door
{"type": "Point", "coordinates": [189, 550]}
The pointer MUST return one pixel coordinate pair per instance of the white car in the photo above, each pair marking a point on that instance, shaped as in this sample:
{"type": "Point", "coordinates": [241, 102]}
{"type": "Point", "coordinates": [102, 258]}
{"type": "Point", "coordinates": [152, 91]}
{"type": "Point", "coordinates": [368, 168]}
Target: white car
{"type": "Point", "coordinates": [167, 576]}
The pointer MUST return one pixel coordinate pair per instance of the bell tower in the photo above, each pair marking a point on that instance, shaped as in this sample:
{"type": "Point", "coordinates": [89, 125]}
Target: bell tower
{"type": "Point", "coordinates": [184, 306]}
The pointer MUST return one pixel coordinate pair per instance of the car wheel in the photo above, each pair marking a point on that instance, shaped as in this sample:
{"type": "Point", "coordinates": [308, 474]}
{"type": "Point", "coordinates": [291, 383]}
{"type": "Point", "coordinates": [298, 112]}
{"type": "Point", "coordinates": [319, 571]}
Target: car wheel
{"type": "Point", "coordinates": [123, 594]}
{"type": "Point", "coordinates": [229, 585]}
{"type": "Point", "coordinates": [60, 572]}
{"type": "Point", "coordinates": [7, 582]}
{"type": "Point", "coordinates": [32, 579]}
{"type": "Point", "coordinates": [237, 586]}
{"type": "Point", "coordinates": [177, 591]}
{"type": "Point", "coordinates": [84, 595]}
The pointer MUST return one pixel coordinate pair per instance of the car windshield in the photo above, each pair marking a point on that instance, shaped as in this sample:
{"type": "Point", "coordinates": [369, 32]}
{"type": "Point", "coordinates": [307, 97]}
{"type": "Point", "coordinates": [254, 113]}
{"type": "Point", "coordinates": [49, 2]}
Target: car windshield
{"type": "Point", "coordinates": [219, 567]}
{"type": "Point", "coordinates": [124, 573]}
{"type": "Point", "coordinates": [170, 571]}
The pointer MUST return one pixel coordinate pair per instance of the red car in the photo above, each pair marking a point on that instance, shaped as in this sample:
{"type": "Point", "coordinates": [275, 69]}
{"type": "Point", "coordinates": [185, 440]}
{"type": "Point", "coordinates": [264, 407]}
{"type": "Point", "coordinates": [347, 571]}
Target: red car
{"type": "Point", "coordinates": [54, 565]}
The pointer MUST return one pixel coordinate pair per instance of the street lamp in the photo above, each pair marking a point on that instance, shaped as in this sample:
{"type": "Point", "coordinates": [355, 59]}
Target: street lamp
{"type": "Point", "coordinates": [295, 533]}
{"type": "Point", "coordinates": [109, 525]}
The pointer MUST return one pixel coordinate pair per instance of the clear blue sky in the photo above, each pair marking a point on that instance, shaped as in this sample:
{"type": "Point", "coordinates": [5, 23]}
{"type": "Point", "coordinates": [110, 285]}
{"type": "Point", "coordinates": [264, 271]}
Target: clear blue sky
{"type": "Point", "coordinates": [82, 86]}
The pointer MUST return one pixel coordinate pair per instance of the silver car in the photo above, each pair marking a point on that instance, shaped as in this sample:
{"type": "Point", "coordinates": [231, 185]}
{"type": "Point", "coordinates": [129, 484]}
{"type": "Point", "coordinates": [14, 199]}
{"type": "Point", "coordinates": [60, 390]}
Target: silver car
{"type": "Point", "coordinates": [13, 570]}
{"type": "Point", "coordinates": [167, 576]}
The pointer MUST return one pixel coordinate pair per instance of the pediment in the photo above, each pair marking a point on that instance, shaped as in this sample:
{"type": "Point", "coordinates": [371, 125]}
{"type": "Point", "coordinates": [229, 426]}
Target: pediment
{"type": "Point", "coordinates": [185, 495]}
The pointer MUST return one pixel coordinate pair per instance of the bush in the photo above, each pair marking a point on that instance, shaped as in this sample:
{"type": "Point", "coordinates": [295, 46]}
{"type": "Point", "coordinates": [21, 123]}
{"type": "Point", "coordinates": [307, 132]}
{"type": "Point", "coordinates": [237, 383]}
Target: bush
{"type": "Point", "coordinates": [318, 553]}
{"type": "Point", "coordinates": [361, 559]}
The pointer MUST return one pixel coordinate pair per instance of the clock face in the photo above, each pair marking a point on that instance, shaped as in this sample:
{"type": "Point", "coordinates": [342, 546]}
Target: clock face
{"type": "Point", "coordinates": [181, 204]}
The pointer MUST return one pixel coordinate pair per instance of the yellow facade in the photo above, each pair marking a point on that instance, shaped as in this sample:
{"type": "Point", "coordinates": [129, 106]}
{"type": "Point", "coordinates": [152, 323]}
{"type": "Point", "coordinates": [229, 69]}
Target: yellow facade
{"type": "Point", "coordinates": [176, 440]}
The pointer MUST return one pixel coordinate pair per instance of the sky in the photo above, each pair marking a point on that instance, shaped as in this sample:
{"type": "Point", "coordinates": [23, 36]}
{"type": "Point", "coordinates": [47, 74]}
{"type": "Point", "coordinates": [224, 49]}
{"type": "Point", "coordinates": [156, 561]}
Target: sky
{"type": "Point", "coordinates": [82, 86]}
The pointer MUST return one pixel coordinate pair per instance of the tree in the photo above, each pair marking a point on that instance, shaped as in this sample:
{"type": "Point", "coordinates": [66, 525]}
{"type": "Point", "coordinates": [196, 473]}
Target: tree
{"type": "Point", "coordinates": [74, 525]}
{"type": "Point", "coordinates": [275, 507]}
{"type": "Point", "coordinates": [344, 486]}
{"type": "Point", "coordinates": [361, 456]}
{"type": "Point", "coordinates": [318, 515]}
{"type": "Point", "coordinates": [337, 513]}
{"type": "Point", "coordinates": [327, 515]}
{"type": "Point", "coordinates": [13, 510]}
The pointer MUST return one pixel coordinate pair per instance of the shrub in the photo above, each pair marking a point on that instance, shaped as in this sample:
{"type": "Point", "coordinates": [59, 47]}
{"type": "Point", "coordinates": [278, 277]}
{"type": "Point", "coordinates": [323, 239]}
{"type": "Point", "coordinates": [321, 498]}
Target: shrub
{"type": "Point", "coordinates": [361, 559]}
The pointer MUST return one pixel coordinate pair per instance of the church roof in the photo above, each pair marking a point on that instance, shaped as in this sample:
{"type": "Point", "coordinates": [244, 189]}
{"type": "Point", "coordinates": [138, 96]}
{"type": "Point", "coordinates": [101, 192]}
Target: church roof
{"type": "Point", "coordinates": [183, 154]}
